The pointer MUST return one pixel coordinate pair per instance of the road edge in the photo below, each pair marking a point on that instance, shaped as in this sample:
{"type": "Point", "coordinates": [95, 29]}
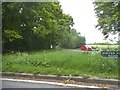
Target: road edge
{"type": "Point", "coordinates": [50, 83]}
{"type": "Point", "coordinates": [54, 77]}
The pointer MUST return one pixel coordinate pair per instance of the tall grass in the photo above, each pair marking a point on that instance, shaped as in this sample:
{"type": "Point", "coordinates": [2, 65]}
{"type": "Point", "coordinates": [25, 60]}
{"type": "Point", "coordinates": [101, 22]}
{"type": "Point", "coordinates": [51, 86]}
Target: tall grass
{"type": "Point", "coordinates": [64, 62]}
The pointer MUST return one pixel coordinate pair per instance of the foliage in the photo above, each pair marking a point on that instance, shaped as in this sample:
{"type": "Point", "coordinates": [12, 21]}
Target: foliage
{"type": "Point", "coordinates": [34, 25]}
{"type": "Point", "coordinates": [74, 39]}
{"type": "Point", "coordinates": [108, 17]}
{"type": "Point", "coordinates": [106, 43]}
{"type": "Point", "coordinates": [11, 35]}
{"type": "Point", "coordinates": [64, 62]}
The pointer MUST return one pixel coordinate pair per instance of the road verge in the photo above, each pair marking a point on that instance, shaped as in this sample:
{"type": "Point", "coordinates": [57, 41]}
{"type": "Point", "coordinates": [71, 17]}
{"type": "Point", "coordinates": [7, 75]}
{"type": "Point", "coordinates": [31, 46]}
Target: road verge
{"type": "Point", "coordinates": [54, 77]}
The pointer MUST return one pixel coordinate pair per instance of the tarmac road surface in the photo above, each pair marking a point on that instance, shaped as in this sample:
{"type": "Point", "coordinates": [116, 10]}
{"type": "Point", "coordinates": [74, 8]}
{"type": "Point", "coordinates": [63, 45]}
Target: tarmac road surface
{"type": "Point", "coordinates": [35, 84]}
{"type": "Point", "coordinates": [14, 84]}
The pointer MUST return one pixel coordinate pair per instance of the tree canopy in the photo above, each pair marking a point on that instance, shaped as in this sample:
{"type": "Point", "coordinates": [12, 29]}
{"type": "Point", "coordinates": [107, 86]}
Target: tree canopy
{"type": "Point", "coordinates": [34, 25]}
{"type": "Point", "coordinates": [108, 17]}
{"type": "Point", "coordinates": [74, 39]}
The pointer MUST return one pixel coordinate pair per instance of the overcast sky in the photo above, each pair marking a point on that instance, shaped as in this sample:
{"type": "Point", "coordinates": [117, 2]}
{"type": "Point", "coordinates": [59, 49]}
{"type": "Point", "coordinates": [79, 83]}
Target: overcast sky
{"type": "Point", "coordinates": [84, 17]}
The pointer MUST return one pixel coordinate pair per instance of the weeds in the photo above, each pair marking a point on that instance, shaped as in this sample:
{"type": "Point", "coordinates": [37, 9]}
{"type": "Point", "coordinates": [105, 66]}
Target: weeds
{"type": "Point", "coordinates": [63, 62]}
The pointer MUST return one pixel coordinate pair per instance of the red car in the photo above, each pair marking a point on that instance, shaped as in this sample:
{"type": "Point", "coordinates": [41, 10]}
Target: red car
{"type": "Point", "coordinates": [85, 48]}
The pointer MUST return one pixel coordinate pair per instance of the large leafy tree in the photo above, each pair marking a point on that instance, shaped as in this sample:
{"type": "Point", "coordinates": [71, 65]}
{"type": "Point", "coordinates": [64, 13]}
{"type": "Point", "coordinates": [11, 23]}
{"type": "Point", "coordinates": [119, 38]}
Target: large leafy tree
{"type": "Point", "coordinates": [108, 15]}
{"type": "Point", "coordinates": [30, 25]}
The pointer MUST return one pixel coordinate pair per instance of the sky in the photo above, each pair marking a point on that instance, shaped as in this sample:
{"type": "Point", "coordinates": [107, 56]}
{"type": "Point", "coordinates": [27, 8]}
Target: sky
{"type": "Point", "coordinates": [84, 18]}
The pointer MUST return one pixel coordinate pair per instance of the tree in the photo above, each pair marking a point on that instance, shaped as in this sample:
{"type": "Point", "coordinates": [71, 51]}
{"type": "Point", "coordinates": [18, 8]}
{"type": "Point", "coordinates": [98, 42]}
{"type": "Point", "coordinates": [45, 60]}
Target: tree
{"type": "Point", "coordinates": [108, 17]}
{"type": "Point", "coordinates": [34, 25]}
{"type": "Point", "coordinates": [73, 39]}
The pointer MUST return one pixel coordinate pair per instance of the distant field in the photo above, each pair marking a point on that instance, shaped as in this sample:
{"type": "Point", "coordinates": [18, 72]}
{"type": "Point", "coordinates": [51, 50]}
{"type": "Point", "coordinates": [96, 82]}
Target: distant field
{"type": "Point", "coordinates": [106, 47]}
{"type": "Point", "coordinates": [63, 62]}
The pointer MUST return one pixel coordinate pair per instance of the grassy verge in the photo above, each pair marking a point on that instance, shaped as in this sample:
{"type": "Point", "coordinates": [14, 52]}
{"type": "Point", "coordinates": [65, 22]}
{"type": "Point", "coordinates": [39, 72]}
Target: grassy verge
{"type": "Point", "coordinates": [64, 62]}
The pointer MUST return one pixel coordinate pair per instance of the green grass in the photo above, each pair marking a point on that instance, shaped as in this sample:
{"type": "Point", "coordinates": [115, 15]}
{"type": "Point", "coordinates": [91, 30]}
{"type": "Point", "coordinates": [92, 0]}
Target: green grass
{"type": "Point", "coordinates": [63, 62]}
{"type": "Point", "coordinates": [106, 47]}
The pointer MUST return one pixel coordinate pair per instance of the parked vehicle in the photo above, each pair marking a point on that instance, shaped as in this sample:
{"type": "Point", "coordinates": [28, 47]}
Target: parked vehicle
{"type": "Point", "coordinates": [85, 48]}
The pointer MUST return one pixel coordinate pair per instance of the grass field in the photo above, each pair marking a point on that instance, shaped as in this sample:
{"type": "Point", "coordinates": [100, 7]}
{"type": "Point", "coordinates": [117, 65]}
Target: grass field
{"type": "Point", "coordinates": [106, 47]}
{"type": "Point", "coordinates": [61, 62]}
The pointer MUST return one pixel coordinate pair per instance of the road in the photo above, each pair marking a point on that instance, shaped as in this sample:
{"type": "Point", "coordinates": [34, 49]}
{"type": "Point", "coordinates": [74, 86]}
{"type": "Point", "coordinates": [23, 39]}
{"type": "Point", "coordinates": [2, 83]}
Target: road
{"type": "Point", "coordinates": [14, 84]}
{"type": "Point", "coordinates": [75, 50]}
{"type": "Point", "coordinates": [11, 83]}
